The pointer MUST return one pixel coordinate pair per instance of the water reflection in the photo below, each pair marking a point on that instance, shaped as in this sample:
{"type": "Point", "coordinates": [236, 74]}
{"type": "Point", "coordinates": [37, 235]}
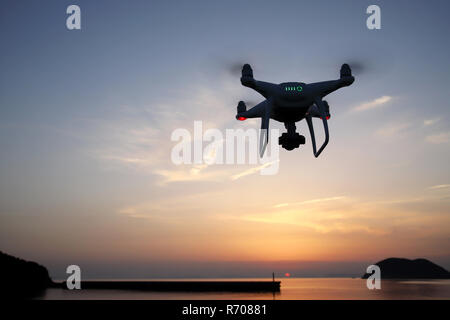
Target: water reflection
{"type": "Point", "coordinates": [291, 289]}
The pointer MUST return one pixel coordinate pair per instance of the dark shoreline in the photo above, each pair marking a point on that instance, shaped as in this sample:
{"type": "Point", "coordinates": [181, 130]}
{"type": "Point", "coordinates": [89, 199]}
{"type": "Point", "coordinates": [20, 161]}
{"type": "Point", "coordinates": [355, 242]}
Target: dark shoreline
{"type": "Point", "coordinates": [181, 286]}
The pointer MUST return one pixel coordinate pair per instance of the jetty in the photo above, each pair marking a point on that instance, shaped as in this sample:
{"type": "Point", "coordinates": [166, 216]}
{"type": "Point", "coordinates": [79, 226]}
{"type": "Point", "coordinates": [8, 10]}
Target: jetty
{"type": "Point", "coordinates": [184, 286]}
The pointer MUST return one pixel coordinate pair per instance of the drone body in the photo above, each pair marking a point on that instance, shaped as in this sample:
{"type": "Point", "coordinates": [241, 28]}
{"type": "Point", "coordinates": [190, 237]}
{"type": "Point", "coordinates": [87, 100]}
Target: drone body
{"type": "Point", "coordinates": [289, 103]}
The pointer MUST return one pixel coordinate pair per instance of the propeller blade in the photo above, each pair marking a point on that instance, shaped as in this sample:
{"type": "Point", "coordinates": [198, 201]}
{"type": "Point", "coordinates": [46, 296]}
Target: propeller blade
{"type": "Point", "coordinates": [358, 67]}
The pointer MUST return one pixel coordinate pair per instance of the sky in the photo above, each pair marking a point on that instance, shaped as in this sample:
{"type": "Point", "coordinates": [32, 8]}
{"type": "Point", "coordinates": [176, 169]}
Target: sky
{"type": "Point", "coordinates": [86, 117]}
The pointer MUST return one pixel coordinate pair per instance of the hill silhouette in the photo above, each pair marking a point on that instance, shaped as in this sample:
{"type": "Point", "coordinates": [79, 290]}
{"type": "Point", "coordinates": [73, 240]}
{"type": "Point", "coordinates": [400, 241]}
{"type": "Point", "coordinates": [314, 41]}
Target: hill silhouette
{"type": "Point", "coordinates": [401, 268]}
{"type": "Point", "coordinates": [22, 278]}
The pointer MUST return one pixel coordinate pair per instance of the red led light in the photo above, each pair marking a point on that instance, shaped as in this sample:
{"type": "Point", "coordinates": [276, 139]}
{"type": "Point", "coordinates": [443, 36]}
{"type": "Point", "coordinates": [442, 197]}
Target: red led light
{"type": "Point", "coordinates": [242, 118]}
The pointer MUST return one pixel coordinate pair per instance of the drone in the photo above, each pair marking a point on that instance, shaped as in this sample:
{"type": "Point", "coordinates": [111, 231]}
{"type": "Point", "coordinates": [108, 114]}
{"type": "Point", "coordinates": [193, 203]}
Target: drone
{"type": "Point", "coordinates": [290, 102]}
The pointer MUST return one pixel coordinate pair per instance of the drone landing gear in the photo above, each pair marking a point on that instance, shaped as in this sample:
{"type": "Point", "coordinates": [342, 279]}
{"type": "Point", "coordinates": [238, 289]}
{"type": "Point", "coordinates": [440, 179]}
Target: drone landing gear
{"type": "Point", "coordinates": [291, 139]}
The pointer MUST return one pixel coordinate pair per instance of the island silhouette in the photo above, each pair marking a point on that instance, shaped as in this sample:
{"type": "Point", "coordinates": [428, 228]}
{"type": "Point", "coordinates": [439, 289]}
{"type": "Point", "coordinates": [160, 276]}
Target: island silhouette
{"type": "Point", "coordinates": [21, 278]}
{"type": "Point", "coordinates": [401, 268]}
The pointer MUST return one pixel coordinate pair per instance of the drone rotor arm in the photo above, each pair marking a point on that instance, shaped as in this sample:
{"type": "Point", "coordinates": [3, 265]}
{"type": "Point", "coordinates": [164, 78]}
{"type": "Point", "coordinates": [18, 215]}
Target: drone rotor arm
{"type": "Point", "coordinates": [257, 111]}
{"type": "Point", "coordinates": [262, 87]}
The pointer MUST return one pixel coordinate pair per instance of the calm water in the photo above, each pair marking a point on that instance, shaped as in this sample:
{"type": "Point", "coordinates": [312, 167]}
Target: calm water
{"type": "Point", "coordinates": [291, 289]}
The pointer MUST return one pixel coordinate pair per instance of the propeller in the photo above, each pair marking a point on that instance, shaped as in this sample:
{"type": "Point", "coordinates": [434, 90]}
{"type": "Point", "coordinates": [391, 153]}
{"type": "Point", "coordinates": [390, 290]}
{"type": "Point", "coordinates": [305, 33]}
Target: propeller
{"type": "Point", "coordinates": [250, 103]}
{"type": "Point", "coordinates": [358, 67]}
{"type": "Point", "coordinates": [368, 63]}
{"type": "Point", "coordinates": [234, 68]}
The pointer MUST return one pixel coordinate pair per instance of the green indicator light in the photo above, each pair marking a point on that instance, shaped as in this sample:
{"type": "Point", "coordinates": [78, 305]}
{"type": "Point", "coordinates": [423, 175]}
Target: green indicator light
{"type": "Point", "coordinates": [297, 88]}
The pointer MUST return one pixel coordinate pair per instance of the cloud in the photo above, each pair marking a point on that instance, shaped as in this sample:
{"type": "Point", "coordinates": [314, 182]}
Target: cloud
{"type": "Point", "coordinates": [440, 186]}
{"type": "Point", "coordinates": [443, 137]}
{"type": "Point", "coordinates": [192, 173]}
{"type": "Point", "coordinates": [430, 122]}
{"type": "Point", "coordinates": [280, 205]}
{"type": "Point", "coordinates": [309, 201]}
{"type": "Point", "coordinates": [373, 104]}
{"type": "Point", "coordinates": [342, 227]}
{"type": "Point", "coordinates": [392, 129]}
{"type": "Point", "coordinates": [253, 170]}
{"type": "Point", "coordinates": [358, 216]}
{"type": "Point", "coordinates": [137, 138]}
{"type": "Point", "coordinates": [319, 221]}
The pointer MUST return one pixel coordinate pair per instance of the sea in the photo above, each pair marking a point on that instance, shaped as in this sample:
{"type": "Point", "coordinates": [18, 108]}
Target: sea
{"type": "Point", "coordinates": [291, 289]}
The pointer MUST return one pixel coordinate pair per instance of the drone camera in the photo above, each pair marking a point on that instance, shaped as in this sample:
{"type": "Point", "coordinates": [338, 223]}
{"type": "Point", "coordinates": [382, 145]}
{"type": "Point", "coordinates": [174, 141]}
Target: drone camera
{"type": "Point", "coordinates": [291, 141]}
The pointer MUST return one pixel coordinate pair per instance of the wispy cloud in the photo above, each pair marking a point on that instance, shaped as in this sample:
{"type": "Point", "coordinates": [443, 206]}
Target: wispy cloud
{"type": "Point", "coordinates": [430, 122]}
{"type": "Point", "coordinates": [138, 137]}
{"type": "Point", "coordinates": [253, 170]}
{"type": "Point", "coordinates": [193, 174]}
{"type": "Point", "coordinates": [439, 186]}
{"type": "Point", "coordinates": [393, 129]}
{"type": "Point", "coordinates": [339, 225]}
{"type": "Point", "coordinates": [443, 137]}
{"type": "Point", "coordinates": [280, 205]}
{"type": "Point", "coordinates": [373, 104]}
